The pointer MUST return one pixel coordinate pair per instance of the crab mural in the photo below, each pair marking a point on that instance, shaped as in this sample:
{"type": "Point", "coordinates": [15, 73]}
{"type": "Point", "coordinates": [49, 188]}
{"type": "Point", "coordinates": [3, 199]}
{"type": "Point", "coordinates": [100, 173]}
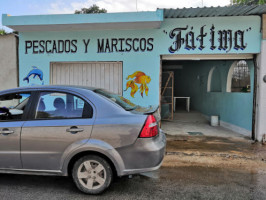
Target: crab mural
{"type": "Point", "coordinates": [138, 78]}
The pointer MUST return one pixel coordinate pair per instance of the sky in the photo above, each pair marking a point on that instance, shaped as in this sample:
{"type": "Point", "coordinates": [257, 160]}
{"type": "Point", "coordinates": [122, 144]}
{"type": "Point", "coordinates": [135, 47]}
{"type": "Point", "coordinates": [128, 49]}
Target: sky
{"type": "Point", "coordinates": [40, 7]}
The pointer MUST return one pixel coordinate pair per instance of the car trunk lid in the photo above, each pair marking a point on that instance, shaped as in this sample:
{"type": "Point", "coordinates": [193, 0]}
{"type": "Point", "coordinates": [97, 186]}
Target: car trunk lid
{"type": "Point", "coordinates": [150, 110]}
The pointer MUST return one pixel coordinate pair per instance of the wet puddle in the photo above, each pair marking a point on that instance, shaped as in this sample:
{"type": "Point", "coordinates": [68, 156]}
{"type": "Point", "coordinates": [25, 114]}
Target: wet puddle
{"type": "Point", "coordinates": [210, 183]}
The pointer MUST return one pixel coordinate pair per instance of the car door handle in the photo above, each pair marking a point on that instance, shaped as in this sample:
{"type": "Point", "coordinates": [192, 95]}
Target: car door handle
{"type": "Point", "coordinates": [6, 131]}
{"type": "Point", "coordinates": [74, 129]}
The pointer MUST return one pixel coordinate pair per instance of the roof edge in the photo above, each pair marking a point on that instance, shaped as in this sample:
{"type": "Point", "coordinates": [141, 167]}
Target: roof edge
{"type": "Point", "coordinates": [64, 19]}
{"type": "Point", "coordinates": [225, 11]}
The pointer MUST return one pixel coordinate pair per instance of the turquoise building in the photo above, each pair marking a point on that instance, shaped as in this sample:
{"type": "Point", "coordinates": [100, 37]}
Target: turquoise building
{"type": "Point", "coordinates": [207, 54]}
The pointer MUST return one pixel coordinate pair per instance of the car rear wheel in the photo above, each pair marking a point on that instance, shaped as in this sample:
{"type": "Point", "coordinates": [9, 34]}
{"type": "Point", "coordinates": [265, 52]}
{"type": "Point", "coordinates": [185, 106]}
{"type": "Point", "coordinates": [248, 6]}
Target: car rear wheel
{"type": "Point", "coordinates": [92, 174]}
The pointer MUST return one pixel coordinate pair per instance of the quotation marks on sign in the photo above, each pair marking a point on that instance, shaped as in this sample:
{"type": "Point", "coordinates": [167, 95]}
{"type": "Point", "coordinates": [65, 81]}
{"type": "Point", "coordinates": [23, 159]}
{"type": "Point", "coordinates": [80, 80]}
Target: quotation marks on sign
{"type": "Point", "coordinates": [165, 32]}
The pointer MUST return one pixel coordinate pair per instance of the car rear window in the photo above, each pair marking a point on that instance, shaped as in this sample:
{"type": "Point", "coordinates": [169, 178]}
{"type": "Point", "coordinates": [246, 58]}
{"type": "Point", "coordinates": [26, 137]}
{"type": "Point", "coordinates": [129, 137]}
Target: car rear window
{"type": "Point", "coordinates": [121, 101]}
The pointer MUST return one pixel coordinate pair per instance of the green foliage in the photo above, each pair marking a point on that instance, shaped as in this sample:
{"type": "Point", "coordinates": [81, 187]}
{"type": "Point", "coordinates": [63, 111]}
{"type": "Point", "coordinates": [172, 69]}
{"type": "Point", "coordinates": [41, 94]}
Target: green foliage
{"type": "Point", "coordinates": [93, 9]}
{"type": "Point", "coordinates": [3, 32]}
{"type": "Point", "coordinates": [249, 2]}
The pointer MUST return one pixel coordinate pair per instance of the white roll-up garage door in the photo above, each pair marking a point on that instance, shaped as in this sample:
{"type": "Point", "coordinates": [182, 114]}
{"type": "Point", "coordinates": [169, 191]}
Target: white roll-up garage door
{"type": "Point", "coordinates": [107, 75]}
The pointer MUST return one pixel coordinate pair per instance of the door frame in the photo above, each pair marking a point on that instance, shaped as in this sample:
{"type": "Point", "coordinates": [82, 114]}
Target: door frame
{"type": "Point", "coordinates": [191, 57]}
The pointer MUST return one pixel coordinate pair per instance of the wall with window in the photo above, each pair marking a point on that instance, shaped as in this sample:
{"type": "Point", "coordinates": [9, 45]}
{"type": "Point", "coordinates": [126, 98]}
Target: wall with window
{"type": "Point", "coordinates": [261, 92]}
{"type": "Point", "coordinates": [232, 107]}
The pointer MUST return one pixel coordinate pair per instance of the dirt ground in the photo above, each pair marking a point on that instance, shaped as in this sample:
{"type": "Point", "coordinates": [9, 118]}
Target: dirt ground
{"type": "Point", "coordinates": [210, 151]}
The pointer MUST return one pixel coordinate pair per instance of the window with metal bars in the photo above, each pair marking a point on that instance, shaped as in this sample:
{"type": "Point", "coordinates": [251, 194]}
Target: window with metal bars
{"type": "Point", "coordinates": [241, 77]}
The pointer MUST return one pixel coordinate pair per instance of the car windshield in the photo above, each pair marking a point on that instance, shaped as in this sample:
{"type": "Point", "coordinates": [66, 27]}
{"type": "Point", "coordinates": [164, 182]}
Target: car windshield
{"type": "Point", "coordinates": [121, 101]}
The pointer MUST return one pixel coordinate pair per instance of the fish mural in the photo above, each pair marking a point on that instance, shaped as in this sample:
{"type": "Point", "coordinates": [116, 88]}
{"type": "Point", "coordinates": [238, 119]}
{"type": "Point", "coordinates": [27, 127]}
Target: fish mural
{"type": "Point", "coordinates": [34, 72]}
{"type": "Point", "coordinates": [141, 78]}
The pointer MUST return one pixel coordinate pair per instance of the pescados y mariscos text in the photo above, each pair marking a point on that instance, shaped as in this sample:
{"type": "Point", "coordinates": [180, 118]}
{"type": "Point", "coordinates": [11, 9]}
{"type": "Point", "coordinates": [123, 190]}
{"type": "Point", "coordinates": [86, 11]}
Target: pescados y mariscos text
{"type": "Point", "coordinates": [103, 45]}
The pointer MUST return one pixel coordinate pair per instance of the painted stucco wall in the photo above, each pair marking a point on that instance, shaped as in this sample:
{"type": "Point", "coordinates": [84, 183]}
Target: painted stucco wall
{"type": "Point", "coordinates": [234, 108]}
{"type": "Point", "coordinates": [261, 95]}
{"type": "Point", "coordinates": [146, 61]}
{"type": "Point", "coordinates": [8, 62]}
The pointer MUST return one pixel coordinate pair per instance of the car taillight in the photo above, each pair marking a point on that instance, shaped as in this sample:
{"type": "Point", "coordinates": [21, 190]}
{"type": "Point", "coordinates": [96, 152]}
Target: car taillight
{"type": "Point", "coordinates": [150, 128]}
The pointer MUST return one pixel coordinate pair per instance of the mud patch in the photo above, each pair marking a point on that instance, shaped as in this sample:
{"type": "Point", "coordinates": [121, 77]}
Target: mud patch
{"type": "Point", "coordinates": [209, 144]}
{"type": "Point", "coordinates": [195, 133]}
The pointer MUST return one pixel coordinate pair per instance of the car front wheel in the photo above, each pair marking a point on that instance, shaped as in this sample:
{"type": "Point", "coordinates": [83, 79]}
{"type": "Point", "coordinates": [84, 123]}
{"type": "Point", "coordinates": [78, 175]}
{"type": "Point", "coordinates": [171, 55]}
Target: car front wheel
{"type": "Point", "coordinates": [92, 174]}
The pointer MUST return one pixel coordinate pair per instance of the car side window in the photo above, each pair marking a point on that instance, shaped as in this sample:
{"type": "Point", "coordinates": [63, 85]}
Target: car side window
{"type": "Point", "coordinates": [12, 106]}
{"type": "Point", "coordinates": [57, 105]}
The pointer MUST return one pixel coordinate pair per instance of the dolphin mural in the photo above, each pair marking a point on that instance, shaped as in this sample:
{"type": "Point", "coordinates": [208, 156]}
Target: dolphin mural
{"type": "Point", "coordinates": [34, 72]}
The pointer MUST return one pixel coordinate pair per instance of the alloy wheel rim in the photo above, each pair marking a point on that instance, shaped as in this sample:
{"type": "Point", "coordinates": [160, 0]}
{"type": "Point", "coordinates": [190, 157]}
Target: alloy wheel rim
{"type": "Point", "coordinates": [91, 174]}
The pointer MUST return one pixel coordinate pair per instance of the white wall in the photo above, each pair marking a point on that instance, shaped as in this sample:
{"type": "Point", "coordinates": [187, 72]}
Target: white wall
{"type": "Point", "coordinates": [261, 94]}
{"type": "Point", "coordinates": [8, 62]}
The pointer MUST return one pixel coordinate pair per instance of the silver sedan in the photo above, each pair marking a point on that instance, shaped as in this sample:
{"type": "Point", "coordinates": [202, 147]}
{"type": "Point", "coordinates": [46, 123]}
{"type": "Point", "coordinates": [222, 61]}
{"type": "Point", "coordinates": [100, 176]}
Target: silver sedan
{"type": "Point", "coordinates": [87, 133]}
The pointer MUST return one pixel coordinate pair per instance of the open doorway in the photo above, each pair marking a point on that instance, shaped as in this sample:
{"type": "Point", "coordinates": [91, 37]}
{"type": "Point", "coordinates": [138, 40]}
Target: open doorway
{"type": "Point", "coordinates": [205, 91]}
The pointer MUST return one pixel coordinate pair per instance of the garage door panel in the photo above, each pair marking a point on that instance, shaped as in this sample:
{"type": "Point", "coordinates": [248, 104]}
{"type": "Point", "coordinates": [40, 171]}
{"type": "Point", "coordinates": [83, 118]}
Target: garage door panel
{"type": "Point", "coordinates": [102, 76]}
{"type": "Point", "coordinates": [71, 75]}
{"type": "Point", "coordinates": [57, 69]}
{"type": "Point", "coordinates": [63, 75]}
{"type": "Point", "coordinates": [98, 75]}
{"type": "Point", "coordinates": [107, 75]}
{"type": "Point", "coordinates": [75, 75]}
{"type": "Point", "coordinates": [116, 79]}
{"type": "Point", "coordinates": [80, 74]}
{"type": "Point", "coordinates": [88, 76]}
{"type": "Point", "coordinates": [120, 84]}
{"type": "Point", "coordinates": [111, 80]}
{"type": "Point", "coordinates": [84, 74]}
{"type": "Point", "coordinates": [67, 74]}
{"type": "Point", "coordinates": [93, 75]}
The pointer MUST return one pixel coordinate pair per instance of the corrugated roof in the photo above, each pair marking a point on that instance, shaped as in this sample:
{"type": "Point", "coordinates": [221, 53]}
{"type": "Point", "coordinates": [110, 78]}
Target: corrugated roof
{"type": "Point", "coordinates": [235, 10]}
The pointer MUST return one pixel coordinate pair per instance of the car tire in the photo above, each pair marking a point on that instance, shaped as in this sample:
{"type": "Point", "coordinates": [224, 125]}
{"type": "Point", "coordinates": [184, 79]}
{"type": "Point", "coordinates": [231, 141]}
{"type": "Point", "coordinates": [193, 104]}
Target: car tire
{"type": "Point", "coordinates": [92, 174]}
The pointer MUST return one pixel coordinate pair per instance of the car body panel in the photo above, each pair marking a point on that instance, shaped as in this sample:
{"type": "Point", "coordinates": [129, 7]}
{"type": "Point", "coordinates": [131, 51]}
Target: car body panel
{"type": "Point", "coordinates": [10, 145]}
{"type": "Point", "coordinates": [145, 153]}
{"type": "Point", "coordinates": [118, 131]}
{"type": "Point", "coordinates": [43, 142]}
